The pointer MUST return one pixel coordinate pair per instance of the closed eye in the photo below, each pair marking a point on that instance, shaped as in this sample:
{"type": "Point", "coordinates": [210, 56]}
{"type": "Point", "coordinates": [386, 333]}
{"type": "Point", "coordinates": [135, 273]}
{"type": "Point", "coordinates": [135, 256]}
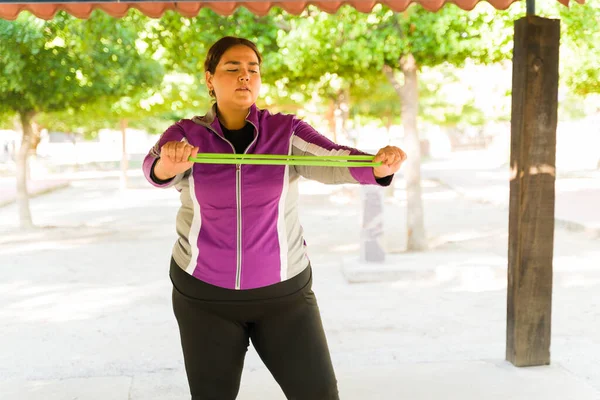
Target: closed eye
{"type": "Point", "coordinates": [235, 70]}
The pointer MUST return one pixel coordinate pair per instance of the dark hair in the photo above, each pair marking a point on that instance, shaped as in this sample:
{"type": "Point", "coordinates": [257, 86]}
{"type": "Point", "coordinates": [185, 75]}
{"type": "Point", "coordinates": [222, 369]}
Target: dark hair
{"type": "Point", "coordinates": [219, 48]}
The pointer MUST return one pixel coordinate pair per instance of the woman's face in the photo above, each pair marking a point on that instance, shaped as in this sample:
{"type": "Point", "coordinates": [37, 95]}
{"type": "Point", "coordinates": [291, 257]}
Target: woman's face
{"type": "Point", "coordinates": [236, 80]}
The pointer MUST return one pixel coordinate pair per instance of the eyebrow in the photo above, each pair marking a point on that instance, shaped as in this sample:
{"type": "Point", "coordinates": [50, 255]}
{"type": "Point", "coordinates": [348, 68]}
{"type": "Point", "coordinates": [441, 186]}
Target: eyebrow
{"type": "Point", "coordinates": [239, 63]}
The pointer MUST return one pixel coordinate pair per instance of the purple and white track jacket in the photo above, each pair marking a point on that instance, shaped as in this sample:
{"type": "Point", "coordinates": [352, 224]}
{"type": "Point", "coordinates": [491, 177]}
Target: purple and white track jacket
{"type": "Point", "coordinates": [238, 225]}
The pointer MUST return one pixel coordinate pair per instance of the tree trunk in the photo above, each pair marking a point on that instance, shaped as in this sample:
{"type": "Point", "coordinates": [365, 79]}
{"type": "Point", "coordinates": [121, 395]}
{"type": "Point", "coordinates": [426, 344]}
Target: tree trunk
{"type": "Point", "coordinates": [409, 98]}
{"type": "Point", "coordinates": [388, 122]}
{"type": "Point", "coordinates": [344, 106]}
{"type": "Point", "coordinates": [331, 119]}
{"type": "Point", "coordinates": [391, 189]}
{"type": "Point", "coordinates": [25, 220]}
{"type": "Point", "coordinates": [73, 136]}
{"type": "Point", "coordinates": [124, 160]}
{"type": "Point", "coordinates": [36, 136]}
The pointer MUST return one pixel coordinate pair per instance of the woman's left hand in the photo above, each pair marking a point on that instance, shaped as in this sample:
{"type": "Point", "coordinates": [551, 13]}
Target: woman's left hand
{"type": "Point", "coordinates": [391, 158]}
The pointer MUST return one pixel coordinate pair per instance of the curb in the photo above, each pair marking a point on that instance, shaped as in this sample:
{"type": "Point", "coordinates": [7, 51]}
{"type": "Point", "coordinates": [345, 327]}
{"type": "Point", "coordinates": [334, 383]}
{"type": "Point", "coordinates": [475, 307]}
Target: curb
{"type": "Point", "coordinates": [35, 193]}
{"type": "Point", "coordinates": [570, 226]}
{"type": "Point", "coordinates": [577, 227]}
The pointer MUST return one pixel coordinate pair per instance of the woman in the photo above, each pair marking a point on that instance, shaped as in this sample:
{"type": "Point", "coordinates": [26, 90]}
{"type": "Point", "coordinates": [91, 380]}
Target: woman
{"type": "Point", "coordinates": [239, 268]}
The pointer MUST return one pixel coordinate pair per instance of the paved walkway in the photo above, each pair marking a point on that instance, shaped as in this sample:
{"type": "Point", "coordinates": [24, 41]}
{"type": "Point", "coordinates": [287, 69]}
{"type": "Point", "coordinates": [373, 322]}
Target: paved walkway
{"type": "Point", "coordinates": [477, 177]}
{"type": "Point", "coordinates": [8, 188]}
{"type": "Point", "coordinates": [85, 302]}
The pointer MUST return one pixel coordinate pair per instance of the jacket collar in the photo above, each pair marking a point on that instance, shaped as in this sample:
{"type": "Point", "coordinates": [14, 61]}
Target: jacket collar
{"type": "Point", "coordinates": [252, 116]}
{"type": "Point", "coordinates": [211, 118]}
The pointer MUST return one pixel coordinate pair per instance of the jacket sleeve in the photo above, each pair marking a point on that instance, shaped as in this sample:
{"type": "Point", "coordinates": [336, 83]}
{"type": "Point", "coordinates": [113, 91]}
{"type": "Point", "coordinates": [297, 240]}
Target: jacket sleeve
{"type": "Point", "coordinates": [173, 133]}
{"type": "Point", "coordinates": [306, 141]}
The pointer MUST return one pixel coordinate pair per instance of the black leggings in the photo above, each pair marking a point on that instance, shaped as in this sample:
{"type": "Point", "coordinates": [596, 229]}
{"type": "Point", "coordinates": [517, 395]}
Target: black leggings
{"type": "Point", "coordinates": [216, 325]}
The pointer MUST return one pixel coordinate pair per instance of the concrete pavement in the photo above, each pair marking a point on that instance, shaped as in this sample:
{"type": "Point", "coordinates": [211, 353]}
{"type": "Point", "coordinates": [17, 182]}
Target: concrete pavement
{"type": "Point", "coordinates": [85, 302]}
{"type": "Point", "coordinates": [478, 176]}
{"type": "Point", "coordinates": [418, 381]}
{"type": "Point", "coordinates": [8, 188]}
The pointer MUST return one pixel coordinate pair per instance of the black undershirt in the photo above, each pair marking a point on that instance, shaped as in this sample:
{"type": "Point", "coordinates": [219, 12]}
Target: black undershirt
{"type": "Point", "coordinates": [239, 138]}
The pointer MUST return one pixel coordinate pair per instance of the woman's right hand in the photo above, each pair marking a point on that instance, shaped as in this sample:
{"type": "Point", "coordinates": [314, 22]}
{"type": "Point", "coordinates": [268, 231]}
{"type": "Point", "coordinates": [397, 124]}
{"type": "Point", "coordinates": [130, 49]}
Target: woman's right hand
{"type": "Point", "coordinates": [174, 159]}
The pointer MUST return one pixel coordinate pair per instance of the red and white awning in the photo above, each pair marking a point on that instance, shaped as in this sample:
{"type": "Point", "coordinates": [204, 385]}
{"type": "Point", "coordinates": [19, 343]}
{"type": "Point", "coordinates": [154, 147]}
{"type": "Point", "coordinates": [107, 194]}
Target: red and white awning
{"type": "Point", "coordinates": [117, 9]}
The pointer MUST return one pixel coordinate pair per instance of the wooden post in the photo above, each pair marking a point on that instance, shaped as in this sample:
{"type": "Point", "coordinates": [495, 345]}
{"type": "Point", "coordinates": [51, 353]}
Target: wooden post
{"type": "Point", "coordinates": [531, 215]}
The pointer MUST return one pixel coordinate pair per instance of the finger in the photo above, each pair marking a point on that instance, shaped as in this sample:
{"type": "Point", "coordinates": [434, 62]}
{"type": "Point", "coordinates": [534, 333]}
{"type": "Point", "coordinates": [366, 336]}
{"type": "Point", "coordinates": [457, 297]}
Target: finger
{"type": "Point", "coordinates": [176, 153]}
{"type": "Point", "coordinates": [170, 152]}
{"type": "Point", "coordinates": [182, 152]}
{"type": "Point", "coordinates": [195, 151]}
{"type": "Point", "coordinates": [386, 159]}
{"type": "Point", "coordinates": [382, 158]}
{"type": "Point", "coordinates": [179, 153]}
{"type": "Point", "coordinates": [164, 151]}
{"type": "Point", "coordinates": [187, 150]}
{"type": "Point", "coordinates": [378, 157]}
{"type": "Point", "coordinates": [187, 153]}
{"type": "Point", "coordinates": [389, 159]}
{"type": "Point", "coordinates": [403, 155]}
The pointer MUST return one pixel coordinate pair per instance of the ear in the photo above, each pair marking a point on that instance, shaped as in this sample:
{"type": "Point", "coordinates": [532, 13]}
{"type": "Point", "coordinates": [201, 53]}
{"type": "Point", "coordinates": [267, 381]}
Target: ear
{"type": "Point", "coordinates": [208, 77]}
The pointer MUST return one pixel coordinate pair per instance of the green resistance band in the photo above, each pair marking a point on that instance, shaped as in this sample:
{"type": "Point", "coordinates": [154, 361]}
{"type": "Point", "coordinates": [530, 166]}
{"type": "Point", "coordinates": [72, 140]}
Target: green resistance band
{"type": "Point", "coordinates": [282, 159]}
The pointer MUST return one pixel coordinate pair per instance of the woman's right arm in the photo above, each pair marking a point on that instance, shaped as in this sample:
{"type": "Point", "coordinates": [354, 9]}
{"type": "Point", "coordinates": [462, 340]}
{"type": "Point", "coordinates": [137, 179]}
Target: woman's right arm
{"type": "Point", "coordinates": [167, 161]}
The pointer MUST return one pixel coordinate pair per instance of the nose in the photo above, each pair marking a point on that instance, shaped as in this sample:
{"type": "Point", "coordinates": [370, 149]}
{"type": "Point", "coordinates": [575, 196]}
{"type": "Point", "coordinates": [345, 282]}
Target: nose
{"type": "Point", "coordinates": [244, 75]}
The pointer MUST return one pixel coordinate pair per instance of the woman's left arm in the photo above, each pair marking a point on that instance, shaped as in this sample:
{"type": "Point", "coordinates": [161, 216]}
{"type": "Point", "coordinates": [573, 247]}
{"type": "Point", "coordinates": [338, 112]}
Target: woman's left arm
{"type": "Point", "coordinates": [307, 141]}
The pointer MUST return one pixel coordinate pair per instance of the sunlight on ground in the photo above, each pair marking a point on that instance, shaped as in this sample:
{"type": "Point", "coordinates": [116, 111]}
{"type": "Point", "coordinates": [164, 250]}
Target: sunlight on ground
{"type": "Point", "coordinates": [572, 185]}
{"type": "Point", "coordinates": [62, 303]}
{"type": "Point", "coordinates": [54, 240]}
{"type": "Point", "coordinates": [441, 195]}
{"type": "Point", "coordinates": [349, 248]}
{"type": "Point", "coordinates": [462, 236]}
{"type": "Point", "coordinates": [47, 246]}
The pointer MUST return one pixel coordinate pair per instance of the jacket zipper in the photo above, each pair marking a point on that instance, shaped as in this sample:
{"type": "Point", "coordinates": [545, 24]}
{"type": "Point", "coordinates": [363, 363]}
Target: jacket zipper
{"type": "Point", "coordinates": [238, 201]}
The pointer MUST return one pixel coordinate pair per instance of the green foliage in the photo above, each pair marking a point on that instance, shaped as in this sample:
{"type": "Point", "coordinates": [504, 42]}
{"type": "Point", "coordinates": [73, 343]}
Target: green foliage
{"type": "Point", "coordinates": [375, 100]}
{"type": "Point", "coordinates": [86, 75]}
{"type": "Point", "coordinates": [6, 120]}
{"type": "Point", "coordinates": [154, 109]}
{"type": "Point", "coordinates": [66, 63]}
{"type": "Point", "coordinates": [580, 47]}
{"type": "Point", "coordinates": [352, 44]}
{"type": "Point", "coordinates": [353, 47]}
{"type": "Point", "coordinates": [184, 42]}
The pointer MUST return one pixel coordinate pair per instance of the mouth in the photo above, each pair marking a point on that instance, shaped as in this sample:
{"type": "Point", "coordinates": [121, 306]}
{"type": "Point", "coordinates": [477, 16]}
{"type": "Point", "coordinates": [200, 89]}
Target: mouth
{"type": "Point", "coordinates": [242, 89]}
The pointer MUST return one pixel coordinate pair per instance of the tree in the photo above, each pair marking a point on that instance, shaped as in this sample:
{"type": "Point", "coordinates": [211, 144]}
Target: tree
{"type": "Point", "coordinates": [356, 46]}
{"type": "Point", "coordinates": [152, 110]}
{"type": "Point", "coordinates": [184, 42]}
{"type": "Point", "coordinates": [580, 47]}
{"type": "Point", "coordinates": [66, 63]}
